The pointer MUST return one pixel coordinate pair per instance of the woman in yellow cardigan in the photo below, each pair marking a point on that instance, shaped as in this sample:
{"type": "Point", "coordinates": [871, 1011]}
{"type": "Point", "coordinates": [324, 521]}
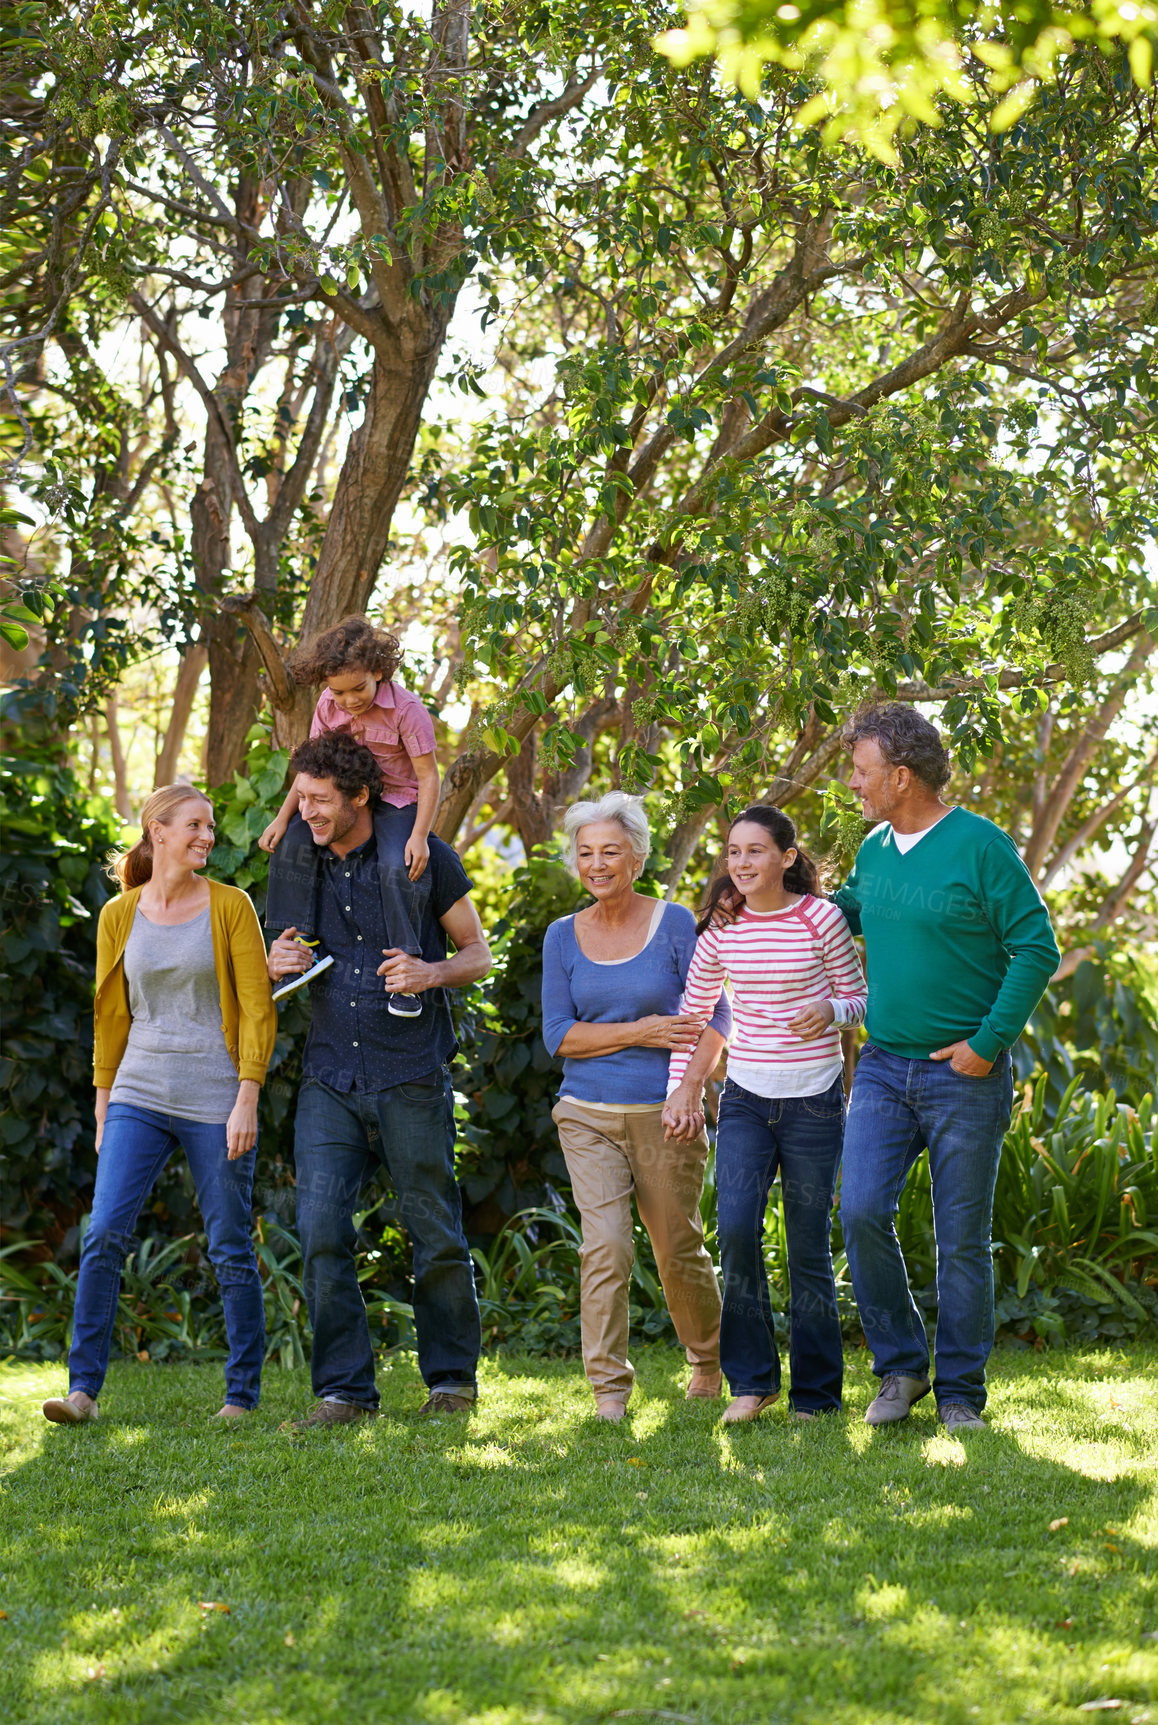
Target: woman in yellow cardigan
{"type": "Point", "coordinates": [184, 1029]}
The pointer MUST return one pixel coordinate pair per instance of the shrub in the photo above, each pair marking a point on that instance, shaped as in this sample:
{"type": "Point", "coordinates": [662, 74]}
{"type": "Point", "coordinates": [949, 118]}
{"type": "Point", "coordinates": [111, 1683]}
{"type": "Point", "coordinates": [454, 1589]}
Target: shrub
{"type": "Point", "coordinates": [51, 891]}
{"type": "Point", "coordinates": [509, 1152]}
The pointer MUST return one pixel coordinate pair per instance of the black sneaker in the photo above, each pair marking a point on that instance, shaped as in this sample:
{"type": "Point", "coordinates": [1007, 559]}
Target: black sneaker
{"type": "Point", "coordinates": [405, 1005]}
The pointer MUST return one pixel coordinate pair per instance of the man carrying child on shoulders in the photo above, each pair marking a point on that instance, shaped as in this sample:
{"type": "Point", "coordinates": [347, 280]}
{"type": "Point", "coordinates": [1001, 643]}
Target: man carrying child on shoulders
{"type": "Point", "coordinates": [376, 1086]}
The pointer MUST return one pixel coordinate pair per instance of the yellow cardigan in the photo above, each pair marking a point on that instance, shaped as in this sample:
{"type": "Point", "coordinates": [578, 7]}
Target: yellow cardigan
{"type": "Point", "coordinates": [249, 1016]}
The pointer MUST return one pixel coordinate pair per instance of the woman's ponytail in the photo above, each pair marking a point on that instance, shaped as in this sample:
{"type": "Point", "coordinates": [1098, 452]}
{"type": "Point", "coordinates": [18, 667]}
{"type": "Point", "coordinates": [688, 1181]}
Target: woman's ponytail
{"type": "Point", "coordinates": [133, 867]}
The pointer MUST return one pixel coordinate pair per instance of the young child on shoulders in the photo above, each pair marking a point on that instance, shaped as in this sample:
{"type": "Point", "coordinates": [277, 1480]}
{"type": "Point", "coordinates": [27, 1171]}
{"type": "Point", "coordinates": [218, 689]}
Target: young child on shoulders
{"type": "Point", "coordinates": [356, 664]}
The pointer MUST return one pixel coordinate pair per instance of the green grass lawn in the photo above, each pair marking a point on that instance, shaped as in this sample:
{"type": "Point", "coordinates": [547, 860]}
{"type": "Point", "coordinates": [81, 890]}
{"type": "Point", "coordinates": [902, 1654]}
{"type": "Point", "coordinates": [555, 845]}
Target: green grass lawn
{"type": "Point", "coordinates": [531, 1564]}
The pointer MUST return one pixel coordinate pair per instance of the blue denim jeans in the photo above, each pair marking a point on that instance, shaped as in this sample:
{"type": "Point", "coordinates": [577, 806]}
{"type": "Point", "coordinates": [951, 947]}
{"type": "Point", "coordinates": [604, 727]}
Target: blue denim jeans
{"type": "Point", "coordinates": [797, 1137]}
{"type": "Point", "coordinates": [897, 1109]}
{"type": "Point", "coordinates": [136, 1145]}
{"type": "Point", "coordinates": [339, 1142]}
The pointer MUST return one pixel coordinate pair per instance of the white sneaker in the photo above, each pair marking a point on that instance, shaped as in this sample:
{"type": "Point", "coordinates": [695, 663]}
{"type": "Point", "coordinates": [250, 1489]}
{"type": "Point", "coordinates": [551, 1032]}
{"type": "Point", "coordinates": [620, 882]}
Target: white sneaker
{"type": "Point", "coordinates": [300, 981]}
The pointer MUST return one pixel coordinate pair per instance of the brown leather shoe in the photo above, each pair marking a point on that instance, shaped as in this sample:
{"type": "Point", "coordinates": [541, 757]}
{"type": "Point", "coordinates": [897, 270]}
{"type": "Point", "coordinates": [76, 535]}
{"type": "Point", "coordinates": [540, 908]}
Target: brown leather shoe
{"type": "Point", "coordinates": [445, 1402]}
{"type": "Point", "coordinates": [64, 1411]}
{"type": "Point", "coordinates": [330, 1414]}
{"type": "Point", "coordinates": [705, 1385]}
{"type": "Point", "coordinates": [746, 1408]}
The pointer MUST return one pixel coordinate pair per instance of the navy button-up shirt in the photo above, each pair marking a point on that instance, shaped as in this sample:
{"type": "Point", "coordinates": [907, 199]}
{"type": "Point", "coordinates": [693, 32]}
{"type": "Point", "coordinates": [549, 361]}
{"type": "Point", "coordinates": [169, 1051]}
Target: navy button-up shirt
{"type": "Point", "coordinates": [355, 1042]}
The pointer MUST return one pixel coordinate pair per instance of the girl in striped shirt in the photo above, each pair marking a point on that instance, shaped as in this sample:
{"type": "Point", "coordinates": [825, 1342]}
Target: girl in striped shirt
{"type": "Point", "coordinates": [795, 978]}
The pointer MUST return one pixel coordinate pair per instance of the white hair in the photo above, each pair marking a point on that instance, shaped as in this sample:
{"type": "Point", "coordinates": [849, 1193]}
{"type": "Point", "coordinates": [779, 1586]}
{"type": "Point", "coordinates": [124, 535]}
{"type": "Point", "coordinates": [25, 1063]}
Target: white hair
{"type": "Point", "coordinates": [615, 806]}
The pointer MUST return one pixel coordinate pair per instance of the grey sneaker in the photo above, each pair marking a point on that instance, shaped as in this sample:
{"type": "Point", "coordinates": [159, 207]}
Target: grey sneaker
{"type": "Point", "coordinates": [959, 1416]}
{"type": "Point", "coordinates": [894, 1399]}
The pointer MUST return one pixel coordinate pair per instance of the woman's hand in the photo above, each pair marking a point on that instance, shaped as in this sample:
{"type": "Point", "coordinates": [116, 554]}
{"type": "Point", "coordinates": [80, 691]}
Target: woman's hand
{"type": "Point", "coordinates": [656, 1031]}
{"type": "Point", "coordinates": [101, 1109]}
{"type": "Point", "coordinates": [241, 1127]}
{"type": "Point", "coordinates": [812, 1021]}
{"type": "Point", "coordinates": [727, 907]}
{"type": "Point", "coordinates": [683, 1115]}
{"type": "Point", "coordinates": [273, 835]}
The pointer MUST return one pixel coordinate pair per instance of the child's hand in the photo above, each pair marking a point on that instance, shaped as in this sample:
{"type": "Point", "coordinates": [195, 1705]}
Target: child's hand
{"type": "Point", "coordinates": [273, 835]}
{"type": "Point", "coordinates": [812, 1021]}
{"type": "Point", "coordinates": [417, 855]}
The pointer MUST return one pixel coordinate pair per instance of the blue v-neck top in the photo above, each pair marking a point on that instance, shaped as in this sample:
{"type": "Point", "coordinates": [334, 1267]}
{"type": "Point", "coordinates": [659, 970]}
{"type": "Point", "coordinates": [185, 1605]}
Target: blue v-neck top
{"type": "Point", "coordinates": [578, 990]}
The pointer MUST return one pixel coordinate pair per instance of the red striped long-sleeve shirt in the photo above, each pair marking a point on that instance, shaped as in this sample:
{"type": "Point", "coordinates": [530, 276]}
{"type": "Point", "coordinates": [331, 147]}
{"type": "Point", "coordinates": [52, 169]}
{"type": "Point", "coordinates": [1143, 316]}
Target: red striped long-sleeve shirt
{"type": "Point", "coordinates": [775, 963]}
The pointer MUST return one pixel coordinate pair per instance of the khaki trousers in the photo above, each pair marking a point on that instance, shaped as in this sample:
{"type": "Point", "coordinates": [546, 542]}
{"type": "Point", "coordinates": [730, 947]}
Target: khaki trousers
{"type": "Point", "coordinates": [609, 1155]}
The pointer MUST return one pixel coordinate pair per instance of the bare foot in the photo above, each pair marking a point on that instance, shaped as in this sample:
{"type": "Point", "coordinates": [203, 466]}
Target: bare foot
{"type": "Point", "coordinates": [231, 1411]}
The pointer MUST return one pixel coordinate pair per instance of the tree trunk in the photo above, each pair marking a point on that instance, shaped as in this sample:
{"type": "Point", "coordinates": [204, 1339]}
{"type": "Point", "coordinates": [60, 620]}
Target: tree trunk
{"type": "Point", "coordinates": [193, 663]}
{"type": "Point", "coordinates": [233, 660]}
{"type": "Point", "coordinates": [372, 479]}
{"type": "Point", "coordinates": [117, 753]}
{"type": "Point", "coordinates": [532, 814]}
{"type": "Point", "coordinates": [235, 694]}
{"type": "Point", "coordinates": [681, 846]}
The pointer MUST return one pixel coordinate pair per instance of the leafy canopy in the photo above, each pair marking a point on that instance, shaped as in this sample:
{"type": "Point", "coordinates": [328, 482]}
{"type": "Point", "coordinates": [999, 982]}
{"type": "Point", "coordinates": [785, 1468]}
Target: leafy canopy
{"type": "Point", "coordinates": [878, 66]}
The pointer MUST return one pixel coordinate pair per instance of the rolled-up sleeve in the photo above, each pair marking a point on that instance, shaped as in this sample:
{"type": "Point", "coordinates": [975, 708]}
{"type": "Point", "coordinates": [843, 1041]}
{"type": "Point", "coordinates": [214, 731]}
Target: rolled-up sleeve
{"type": "Point", "coordinates": [558, 1006]}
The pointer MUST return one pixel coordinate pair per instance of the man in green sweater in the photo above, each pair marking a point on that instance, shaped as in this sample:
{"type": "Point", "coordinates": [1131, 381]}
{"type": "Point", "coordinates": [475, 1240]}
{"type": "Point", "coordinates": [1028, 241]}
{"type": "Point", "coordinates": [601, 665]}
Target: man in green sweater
{"type": "Point", "coordinates": [960, 950]}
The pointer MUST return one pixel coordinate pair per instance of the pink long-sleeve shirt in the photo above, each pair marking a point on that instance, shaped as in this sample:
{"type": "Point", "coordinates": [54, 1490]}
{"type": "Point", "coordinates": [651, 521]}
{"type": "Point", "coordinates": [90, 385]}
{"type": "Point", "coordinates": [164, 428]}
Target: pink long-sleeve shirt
{"type": "Point", "coordinates": [775, 963]}
{"type": "Point", "coordinates": [395, 728]}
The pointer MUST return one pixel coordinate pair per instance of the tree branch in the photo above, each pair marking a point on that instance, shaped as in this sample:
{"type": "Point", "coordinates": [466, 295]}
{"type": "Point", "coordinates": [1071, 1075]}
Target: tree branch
{"type": "Point", "coordinates": [212, 406]}
{"type": "Point", "coordinates": [573, 93]}
{"type": "Point", "coordinates": [245, 608]}
{"type": "Point", "coordinates": [1094, 823]}
{"type": "Point", "coordinates": [1113, 904]}
{"type": "Point", "coordinates": [1011, 679]}
{"type": "Point", "coordinates": [1090, 739]}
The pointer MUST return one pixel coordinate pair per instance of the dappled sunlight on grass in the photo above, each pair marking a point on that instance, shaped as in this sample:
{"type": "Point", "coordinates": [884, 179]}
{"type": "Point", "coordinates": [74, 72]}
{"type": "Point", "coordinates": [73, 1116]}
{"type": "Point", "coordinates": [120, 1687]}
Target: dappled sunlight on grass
{"type": "Point", "coordinates": [941, 1450]}
{"type": "Point", "coordinates": [529, 1561]}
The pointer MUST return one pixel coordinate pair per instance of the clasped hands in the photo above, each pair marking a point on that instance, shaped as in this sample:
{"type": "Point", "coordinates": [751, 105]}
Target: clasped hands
{"type": "Point", "coordinates": [683, 1115]}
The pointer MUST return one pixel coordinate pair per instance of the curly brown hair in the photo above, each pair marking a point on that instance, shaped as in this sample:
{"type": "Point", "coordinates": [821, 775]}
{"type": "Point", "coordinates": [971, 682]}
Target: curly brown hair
{"type": "Point", "coordinates": [341, 758]}
{"type": "Point", "coordinates": [354, 644]}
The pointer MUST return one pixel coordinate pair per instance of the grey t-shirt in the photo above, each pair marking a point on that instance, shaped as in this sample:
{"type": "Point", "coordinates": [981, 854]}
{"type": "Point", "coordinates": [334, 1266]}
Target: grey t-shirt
{"type": "Point", "coordinates": [176, 1061]}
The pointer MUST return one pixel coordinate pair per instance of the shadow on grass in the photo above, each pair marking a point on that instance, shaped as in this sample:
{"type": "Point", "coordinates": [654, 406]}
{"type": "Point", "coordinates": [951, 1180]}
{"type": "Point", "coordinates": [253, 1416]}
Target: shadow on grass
{"type": "Point", "coordinates": [531, 1563]}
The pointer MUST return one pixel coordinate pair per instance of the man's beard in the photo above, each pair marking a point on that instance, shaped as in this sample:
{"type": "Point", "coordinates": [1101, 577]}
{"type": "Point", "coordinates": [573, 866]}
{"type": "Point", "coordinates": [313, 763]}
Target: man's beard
{"type": "Point", "coordinates": [344, 822]}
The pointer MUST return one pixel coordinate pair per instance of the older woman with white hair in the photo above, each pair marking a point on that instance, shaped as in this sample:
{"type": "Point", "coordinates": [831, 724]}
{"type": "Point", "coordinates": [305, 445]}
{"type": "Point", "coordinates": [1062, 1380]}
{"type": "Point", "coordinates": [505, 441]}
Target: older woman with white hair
{"type": "Point", "coordinates": [612, 979]}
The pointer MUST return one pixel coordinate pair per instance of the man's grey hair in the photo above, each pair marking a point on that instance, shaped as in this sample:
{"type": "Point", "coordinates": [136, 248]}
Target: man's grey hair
{"type": "Point", "coordinates": [615, 806]}
{"type": "Point", "coordinates": [905, 739]}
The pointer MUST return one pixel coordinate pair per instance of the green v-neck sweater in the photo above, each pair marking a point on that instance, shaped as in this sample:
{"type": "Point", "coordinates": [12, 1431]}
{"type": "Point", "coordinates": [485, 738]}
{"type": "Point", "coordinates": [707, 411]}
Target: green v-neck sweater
{"type": "Point", "coordinates": [958, 941]}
